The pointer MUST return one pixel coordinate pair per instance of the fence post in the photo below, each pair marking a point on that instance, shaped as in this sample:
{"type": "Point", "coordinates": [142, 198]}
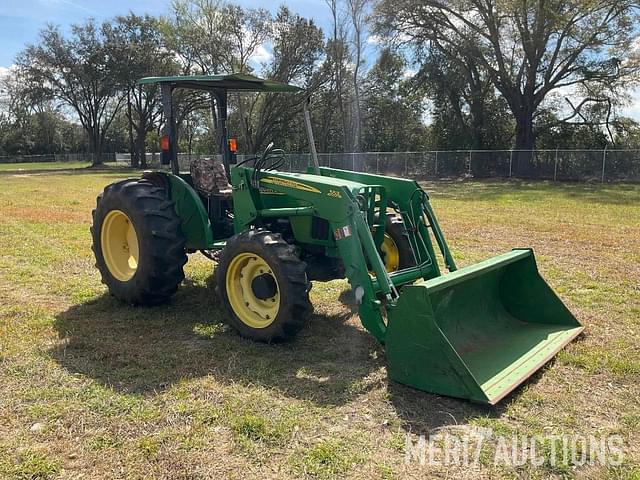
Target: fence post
{"type": "Point", "coordinates": [470, 152]}
{"type": "Point", "coordinates": [377, 163]}
{"type": "Point", "coordinates": [435, 173]}
{"type": "Point", "coordinates": [555, 167]}
{"type": "Point", "coordinates": [604, 161]}
{"type": "Point", "coordinates": [353, 162]}
{"type": "Point", "coordinates": [406, 165]}
{"type": "Point", "coordinates": [510, 162]}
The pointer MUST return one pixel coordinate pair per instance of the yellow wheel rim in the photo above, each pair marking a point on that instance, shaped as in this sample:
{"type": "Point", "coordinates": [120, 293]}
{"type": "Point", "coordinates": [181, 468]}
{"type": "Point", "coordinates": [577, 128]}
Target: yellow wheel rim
{"type": "Point", "coordinates": [391, 254]}
{"type": "Point", "coordinates": [251, 310]}
{"type": "Point", "coordinates": [119, 243]}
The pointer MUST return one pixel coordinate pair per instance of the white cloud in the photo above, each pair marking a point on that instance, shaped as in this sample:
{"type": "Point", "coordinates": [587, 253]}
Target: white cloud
{"type": "Point", "coordinates": [5, 70]}
{"type": "Point", "coordinates": [65, 3]}
{"type": "Point", "coordinates": [261, 55]}
{"type": "Point", "coordinates": [633, 109]}
{"type": "Point", "coordinates": [4, 98]}
{"type": "Point", "coordinates": [408, 73]}
{"type": "Point", "coordinates": [374, 40]}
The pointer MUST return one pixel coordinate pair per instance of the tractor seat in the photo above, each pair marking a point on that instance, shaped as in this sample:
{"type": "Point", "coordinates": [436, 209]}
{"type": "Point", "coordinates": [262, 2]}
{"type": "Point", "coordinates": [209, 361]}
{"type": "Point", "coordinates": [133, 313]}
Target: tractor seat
{"type": "Point", "coordinates": [210, 177]}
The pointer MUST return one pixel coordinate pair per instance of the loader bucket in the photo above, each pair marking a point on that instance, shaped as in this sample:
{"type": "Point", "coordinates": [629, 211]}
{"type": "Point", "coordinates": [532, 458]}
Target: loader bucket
{"type": "Point", "coordinates": [479, 332]}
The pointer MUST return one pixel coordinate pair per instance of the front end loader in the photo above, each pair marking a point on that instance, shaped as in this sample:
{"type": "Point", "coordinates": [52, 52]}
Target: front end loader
{"type": "Point", "coordinates": [475, 332]}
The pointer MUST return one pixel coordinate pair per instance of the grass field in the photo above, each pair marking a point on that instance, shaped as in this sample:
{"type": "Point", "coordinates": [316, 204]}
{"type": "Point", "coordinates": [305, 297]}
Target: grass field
{"type": "Point", "coordinates": [45, 166]}
{"type": "Point", "coordinates": [91, 388]}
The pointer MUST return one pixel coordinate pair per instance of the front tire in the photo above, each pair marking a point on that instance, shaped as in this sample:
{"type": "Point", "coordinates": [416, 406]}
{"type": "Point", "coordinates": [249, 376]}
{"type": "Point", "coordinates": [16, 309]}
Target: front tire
{"type": "Point", "coordinates": [263, 286]}
{"type": "Point", "coordinates": [137, 242]}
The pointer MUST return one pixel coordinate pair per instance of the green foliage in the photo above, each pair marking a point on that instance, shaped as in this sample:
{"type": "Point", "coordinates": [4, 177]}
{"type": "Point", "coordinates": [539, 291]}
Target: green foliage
{"type": "Point", "coordinates": [392, 112]}
{"type": "Point", "coordinates": [137, 45]}
{"type": "Point", "coordinates": [576, 136]}
{"type": "Point", "coordinates": [46, 131]}
{"type": "Point", "coordinates": [627, 133]}
{"type": "Point", "coordinates": [327, 459]}
{"type": "Point", "coordinates": [33, 465]}
{"type": "Point", "coordinates": [466, 112]}
{"type": "Point", "coordinates": [81, 71]}
{"type": "Point", "coordinates": [526, 51]}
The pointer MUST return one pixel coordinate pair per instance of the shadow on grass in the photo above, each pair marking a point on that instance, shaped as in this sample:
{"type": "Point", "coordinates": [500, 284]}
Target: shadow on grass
{"type": "Point", "coordinates": [146, 350]}
{"type": "Point", "coordinates": [422, 412]}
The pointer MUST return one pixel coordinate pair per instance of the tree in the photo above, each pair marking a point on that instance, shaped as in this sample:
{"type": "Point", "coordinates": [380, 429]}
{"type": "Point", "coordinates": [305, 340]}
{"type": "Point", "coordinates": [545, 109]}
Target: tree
{"type": "Point", "coordinates": [336, 66]}
{"type": "Point", "coordinates": [357, 12]}
{"type": "Point", "coordinates": [32, 124]}
{"type": "Point", "coordinates": [240, 36]}
{"type": "Point", "coordinates": [528, 49]}
{"type": "Point", "coordinates": [80, 72]}
{"type": "Point", "coordinates": [392, 117]}
{"type": "Point", "coordinates": [564, 135]}
{"type": "Point", "coordinates": [211, 37]}
{"type": "Point", "coordinates": [627, 133]}
{"type": "Point", "coordinates": [195, 35]}
{"type": "Point", "coordinates": [297, 46]}
{"type": "Point", "coordinates": [465, 109]}
{"type": "Point", "coordinates": [137, 45]}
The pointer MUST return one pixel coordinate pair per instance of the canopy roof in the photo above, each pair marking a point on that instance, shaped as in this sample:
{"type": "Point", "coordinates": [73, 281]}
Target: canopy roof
{"type": "Point", "coordinates": [235, 81]}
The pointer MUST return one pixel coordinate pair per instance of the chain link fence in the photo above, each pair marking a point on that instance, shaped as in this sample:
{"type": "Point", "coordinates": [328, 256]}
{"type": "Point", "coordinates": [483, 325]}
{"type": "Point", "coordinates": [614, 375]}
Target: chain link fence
{"type": "Point", "coordinates": [576, 165]}
{"type": "Point", "coordinates": [56, 157]}
{"type": "Point", "coordinates": [558, 165]}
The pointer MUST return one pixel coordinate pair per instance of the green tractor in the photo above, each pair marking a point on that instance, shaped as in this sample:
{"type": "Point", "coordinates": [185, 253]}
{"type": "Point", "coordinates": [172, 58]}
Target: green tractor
{"type": "Point", "coordinates": [475, 333]}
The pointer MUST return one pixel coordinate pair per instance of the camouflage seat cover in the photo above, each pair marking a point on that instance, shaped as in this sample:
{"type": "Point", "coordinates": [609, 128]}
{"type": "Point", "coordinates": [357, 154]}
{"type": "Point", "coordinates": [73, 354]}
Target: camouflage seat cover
{"type": "Point", "coordinates": [209, 177]}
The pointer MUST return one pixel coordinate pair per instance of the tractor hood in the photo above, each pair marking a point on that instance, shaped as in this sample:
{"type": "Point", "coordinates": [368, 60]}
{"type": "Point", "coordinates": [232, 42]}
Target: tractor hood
{"type": "Point", "coordinates": [311, 182]}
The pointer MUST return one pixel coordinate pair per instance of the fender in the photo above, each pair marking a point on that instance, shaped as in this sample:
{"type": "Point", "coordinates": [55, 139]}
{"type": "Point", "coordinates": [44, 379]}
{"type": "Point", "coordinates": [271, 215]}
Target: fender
{"type": "Point", "coordinates": [195, 224]}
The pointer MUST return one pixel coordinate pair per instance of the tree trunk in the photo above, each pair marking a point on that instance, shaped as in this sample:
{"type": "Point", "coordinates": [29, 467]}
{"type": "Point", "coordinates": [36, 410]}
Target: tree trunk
{"type": "Point", "coordinates": [338, 76]}
{"type": "Point", "coordinates": [525, 143]}
{"type": "Point", "coordinates": [141, 146]}
{"type": "Point", "coordinates": [132, 148]}
{"type": "Point", "coordinates": [357, 120]}
{"type": "Point", "coordinates": [477, 124]}
{"type": "Point", "coordinates": [357, 123]}
{"type": "Point", "coordinates": [96, 147]}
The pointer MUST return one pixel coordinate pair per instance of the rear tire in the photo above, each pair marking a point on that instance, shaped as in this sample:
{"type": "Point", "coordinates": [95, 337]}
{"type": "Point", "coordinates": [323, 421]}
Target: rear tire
{"type": "Point", "coordinates": [263, 286]}
{"type": "Point", "coordinates": [137, 242]}
{"type": "Point", "coordinates": [396, 251]}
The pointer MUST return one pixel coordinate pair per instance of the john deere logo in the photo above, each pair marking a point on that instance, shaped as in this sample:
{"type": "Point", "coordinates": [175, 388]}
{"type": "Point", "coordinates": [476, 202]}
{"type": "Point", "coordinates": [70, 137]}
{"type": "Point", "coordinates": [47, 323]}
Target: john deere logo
{"type": "Point", "coordinates": [285, 182]}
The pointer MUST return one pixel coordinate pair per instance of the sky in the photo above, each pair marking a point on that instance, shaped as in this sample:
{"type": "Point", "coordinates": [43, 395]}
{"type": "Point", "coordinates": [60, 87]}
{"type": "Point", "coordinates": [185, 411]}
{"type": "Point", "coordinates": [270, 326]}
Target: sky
{"type": "Point", "coordinates": [21, 20]}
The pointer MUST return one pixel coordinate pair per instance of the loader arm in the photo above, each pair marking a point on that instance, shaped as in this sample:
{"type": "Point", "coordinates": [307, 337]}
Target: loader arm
{"type": "Point", "coordinates": [333, 200]}
{"type": "Point", "coordinates": [350, 206]}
